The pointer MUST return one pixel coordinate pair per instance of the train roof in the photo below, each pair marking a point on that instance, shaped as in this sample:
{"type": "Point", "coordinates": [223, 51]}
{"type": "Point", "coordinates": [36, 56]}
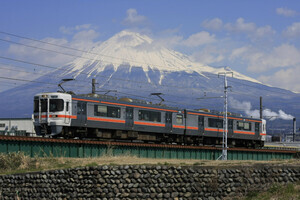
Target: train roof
{"type": "Point", "coordinates": [99, 98]}
{"type": "Point", "coordinates": [135, 102]}
{"type": "Point", "coordinates": [220, 114]}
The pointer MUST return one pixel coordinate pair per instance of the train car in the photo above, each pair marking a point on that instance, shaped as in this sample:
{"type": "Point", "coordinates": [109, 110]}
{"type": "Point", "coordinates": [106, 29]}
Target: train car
{"type": "Point", "coordinates": [245, 132]}
{"type": "Point", "coordinates": [106, 117]}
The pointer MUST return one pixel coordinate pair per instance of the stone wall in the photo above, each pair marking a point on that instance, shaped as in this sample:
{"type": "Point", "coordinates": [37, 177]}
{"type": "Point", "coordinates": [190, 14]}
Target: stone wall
{"type": "Point", "coordinates": [145, 182]}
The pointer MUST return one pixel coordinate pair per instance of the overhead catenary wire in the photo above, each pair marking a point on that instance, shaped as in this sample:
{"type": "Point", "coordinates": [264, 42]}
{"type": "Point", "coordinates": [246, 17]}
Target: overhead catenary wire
{"type": "Point", "coordinates": [70, 70]}
{"type": "Point", "coordinates": [23, 71]}
{"type": "Point", "coordinates": [129, 94]}
{"type": "Point", "coordinates": [81, 56]}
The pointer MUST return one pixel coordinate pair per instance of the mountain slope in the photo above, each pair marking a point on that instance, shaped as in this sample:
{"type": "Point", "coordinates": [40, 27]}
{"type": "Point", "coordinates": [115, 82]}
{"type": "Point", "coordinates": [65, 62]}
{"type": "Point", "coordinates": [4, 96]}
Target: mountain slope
{"type": "Point", "coordinates": [133, 49]}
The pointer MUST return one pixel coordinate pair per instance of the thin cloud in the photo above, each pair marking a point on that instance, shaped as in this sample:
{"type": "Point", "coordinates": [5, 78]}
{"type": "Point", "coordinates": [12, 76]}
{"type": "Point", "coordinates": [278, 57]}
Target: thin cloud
{"type": "Point", "coordinates": [83, 40]}
{"type": "Point", "coordinates": [286, 12]}
{"type": "Point", "coordinates": [133, 18]}
{"type": "Point", "coordinates": [267, 113]}
{"type": "Point", "coordinates": [292, 31]}
{"type": "Point", "coordinates": [249, 28]}
{"type": "Point", "coordinates": [285, 55]}
{"type": "Point", "coordinates": [285, 78]}
{"type": "Point", "coordinates": [71, 30]}
{"type": "Point", "coordinates": [215, 24]}
{"type": "Point", "coordinates": [199, 39]}
{"type": "Point", "coordinates": [240, 26]}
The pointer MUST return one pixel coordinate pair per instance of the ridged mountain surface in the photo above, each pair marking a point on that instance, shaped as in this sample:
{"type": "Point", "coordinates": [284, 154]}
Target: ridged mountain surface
{"type": "Point", "coordinates": [135, 66]}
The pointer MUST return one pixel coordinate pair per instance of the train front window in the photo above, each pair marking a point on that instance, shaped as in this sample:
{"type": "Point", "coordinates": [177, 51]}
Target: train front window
{"type": "Point", "coordinates": [44, 105]}
{"type": "Point", "coordinates": [56, 105]}
{"type": "Point", "coordinates": [36, 106]}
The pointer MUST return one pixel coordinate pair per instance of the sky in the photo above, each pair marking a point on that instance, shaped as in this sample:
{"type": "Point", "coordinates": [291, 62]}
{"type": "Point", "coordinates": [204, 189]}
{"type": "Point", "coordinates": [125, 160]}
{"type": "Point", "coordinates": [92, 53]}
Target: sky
{"type": "Point", "coordinates": [260, 39]}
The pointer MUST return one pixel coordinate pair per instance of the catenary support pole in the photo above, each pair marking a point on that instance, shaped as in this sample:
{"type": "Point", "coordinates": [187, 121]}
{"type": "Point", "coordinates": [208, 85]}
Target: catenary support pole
{"type": "Point", "coordinates": [225, 121]}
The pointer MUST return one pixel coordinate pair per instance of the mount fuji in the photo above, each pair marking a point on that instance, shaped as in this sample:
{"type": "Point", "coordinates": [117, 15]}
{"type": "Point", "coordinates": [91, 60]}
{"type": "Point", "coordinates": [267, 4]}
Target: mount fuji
{"type": "Point", "coordinates": [133, 65]}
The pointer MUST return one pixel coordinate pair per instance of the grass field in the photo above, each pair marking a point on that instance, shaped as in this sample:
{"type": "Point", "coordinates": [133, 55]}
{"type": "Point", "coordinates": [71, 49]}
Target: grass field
{"type": "Point", "coordinates": [277, 192]}
{"type": "Point", "coordinates": [19, 163]}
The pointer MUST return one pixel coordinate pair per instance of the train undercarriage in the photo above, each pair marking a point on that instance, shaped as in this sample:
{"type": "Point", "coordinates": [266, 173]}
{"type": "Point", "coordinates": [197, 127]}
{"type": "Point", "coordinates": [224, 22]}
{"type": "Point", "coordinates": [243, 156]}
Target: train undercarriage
{"type": "Point", "coordinates": [148, 137]}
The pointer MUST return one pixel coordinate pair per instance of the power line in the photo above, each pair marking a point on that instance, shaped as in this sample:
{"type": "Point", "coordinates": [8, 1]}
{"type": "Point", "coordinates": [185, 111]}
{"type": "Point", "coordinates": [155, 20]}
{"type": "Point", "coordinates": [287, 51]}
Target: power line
{"type": "Point", "coordinates": [70, 48]}
{"type": "Point", "coordinates": [82, 56]}
{"type": "Point", "coordinates": [70, 70]}
{"type": "Point", "coordinates": [23, 71]}
{"type": "Point", "coordinates": [24, 80]}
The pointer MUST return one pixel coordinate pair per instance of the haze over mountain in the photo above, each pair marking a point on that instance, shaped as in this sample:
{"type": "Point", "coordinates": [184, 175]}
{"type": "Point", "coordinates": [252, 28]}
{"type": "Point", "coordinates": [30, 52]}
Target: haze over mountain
{"type": "Point", "coordinates": [134, 65]}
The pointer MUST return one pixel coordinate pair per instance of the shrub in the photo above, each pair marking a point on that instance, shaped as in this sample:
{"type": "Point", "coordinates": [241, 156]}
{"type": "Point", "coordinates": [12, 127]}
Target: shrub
{"type": "Point", "coordinates": [14, 160]}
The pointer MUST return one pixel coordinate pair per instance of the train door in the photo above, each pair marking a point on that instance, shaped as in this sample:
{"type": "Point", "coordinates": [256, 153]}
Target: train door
{"type": "Point", "coordinates": [67, 113]}
{"type": "Point", "coordinates": [81, 113]}
{"type": "Point", "coordinates": [230, 128]}
{"type": "Point", "coordinates": [168, 121]}
{"type": "Point", "coordinates": [201, 124]}
{"type": "Point", "coordinates": [129, 118]}
{"type": "Point", "coordinates": [257, 129]}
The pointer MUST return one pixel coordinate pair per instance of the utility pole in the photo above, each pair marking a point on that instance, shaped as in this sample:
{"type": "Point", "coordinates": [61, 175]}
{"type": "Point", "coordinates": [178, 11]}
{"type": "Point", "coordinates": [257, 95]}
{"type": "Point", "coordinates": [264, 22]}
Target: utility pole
{"type": "Point", "coordinates": [225, 123]}
{"type": "Point", "coordinates": [260, 108]}
{"type": "Point", "coordinates": [294, 129]}
{"type": "Point", "coordinates": [94, 86]}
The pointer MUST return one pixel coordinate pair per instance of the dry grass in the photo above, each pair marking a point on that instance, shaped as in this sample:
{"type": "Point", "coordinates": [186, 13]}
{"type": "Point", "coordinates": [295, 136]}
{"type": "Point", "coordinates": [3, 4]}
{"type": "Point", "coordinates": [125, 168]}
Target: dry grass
{"type": "Point", "coordinates": [19, 163]}
{"type": "Point", "coordinates": [277, 192]}
{"type": "Point", "coordinates": [132, 160]}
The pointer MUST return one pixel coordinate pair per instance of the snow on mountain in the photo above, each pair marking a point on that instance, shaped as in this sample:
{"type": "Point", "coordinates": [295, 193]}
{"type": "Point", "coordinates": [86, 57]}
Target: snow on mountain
{"type": "Point", "coordinates": [136, 50]}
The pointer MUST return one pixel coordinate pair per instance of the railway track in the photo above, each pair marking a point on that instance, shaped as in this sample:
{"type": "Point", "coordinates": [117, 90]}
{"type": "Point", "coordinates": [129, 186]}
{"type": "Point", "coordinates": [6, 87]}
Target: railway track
{"type": "Point", "coordinates": [136, 144]}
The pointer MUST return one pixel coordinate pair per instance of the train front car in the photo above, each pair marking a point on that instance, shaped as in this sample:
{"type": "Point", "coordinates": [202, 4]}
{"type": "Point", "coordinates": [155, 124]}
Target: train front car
{"type": "Point", "coordinates": [52, 112]}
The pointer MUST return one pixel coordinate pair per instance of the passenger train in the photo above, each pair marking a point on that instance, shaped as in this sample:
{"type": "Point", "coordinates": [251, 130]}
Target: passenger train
{"type": "Point", "coordinates": [108, 118]}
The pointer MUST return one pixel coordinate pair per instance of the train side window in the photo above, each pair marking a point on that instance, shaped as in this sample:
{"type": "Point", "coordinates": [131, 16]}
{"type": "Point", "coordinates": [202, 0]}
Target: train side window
{"type": "Point", "coordinates": [179, 119]}
{"type": "Point", "coordinates": [107, 111]}
{"type": "Point", "coordinates": [246, 126]}
{"type": "Point", "coordinates": [100, 110]}
{"type": "Point", "coordinates": [67, 106]}
{"type": "Point", "coordinates": [216, 123]}
{"type": "Point", "coordinates": [146, 115]}
{"type": "Point", "coordinates": [113, 112]}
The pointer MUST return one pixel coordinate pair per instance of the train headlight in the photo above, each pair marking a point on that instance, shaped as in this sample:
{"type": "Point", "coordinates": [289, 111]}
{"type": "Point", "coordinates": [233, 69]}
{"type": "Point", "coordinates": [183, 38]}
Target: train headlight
{"type": "Point", "coordinates": [54, 116]}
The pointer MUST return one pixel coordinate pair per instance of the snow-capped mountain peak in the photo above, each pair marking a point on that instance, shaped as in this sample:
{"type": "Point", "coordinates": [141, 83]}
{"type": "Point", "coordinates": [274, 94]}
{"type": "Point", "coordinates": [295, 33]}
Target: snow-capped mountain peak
{"type": "Point", "coordinates": [132, 49]}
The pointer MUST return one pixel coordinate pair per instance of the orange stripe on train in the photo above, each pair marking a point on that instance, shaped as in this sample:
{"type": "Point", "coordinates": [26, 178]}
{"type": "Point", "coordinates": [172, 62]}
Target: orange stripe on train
{"type": "Point", "coordinates": [106, 120]}
{"type": "Point", "coordinates": [244, 132]}
{"type": "Point", "coordinates": [214, 129]}
{"type": "Point", "coordinates": [178, 126]}
{"type": "Point", "coordinates": [149, 124]}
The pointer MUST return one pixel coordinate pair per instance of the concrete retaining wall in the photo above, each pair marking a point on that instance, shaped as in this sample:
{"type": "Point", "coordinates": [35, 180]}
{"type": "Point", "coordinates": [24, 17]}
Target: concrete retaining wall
{"type": "Point", "coordinates": [145, 182]}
